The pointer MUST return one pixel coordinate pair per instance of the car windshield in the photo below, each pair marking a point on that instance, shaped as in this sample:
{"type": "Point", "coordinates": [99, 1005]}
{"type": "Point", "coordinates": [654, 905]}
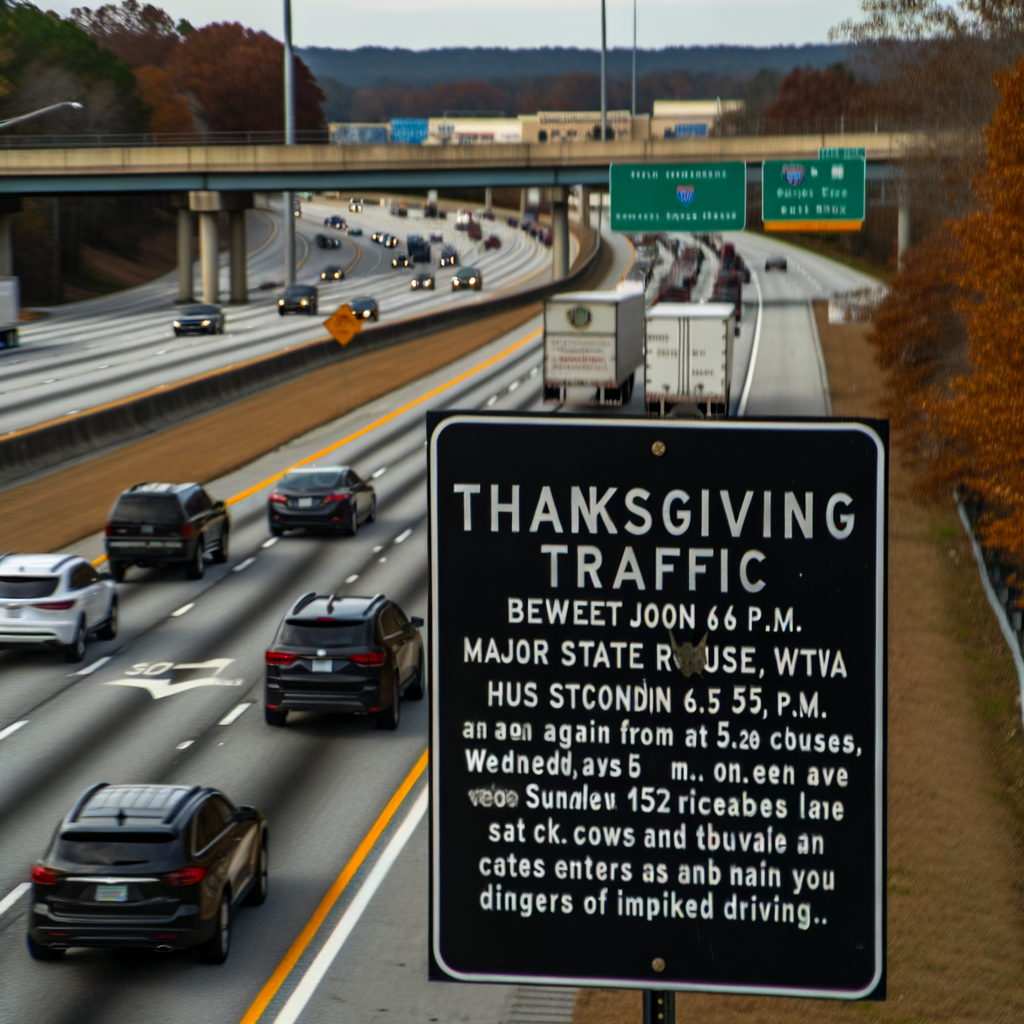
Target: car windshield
{"type": "Point", "coordinates": [199, 311]}
{"type": "Point", "coordinates": [297, 292]}
{"type": "Point", "coordinates": [333, 633]}
{"type": "Point", "coordinates": [361, 304]}
{"type": "Point", "coordinates": [311, 480]}
{"type": "Point", "coordinates": [28, 586]}
{"type": "Point", "coordinates": [113, 848]}
{"type": "Point", "coordinates": [153, 509]}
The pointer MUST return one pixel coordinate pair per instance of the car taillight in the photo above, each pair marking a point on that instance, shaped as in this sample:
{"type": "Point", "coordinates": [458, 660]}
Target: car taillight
{"type": "Point", "coordinates": [186, 876]}
{"type": "Point", "coordinates": [335, 497]}
{"type": "Point", "coordinates": [43, 876]}
{"type": "Point", "coordinates": [370, 658]}
{"type": "Point", "coordinates": [278, 497]}
{"type": "Point", "coordinates": [54, 606]}
{"type": "Point", "coordinates": [186, 530]}
{"type": "Point", "coordinates": [281, 658]}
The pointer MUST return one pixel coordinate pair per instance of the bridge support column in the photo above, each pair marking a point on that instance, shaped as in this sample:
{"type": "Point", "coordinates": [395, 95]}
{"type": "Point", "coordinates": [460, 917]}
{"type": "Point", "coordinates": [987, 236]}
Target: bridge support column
{"type": "Point", "coordinates": [239, 269]}
{"type": "Point", "coordinates": [560, 232]}
{"type": "Point", "coordinates": [209, 255]}
{"type": "Point", "coordinates": [9, 205]}
{"type": "Point", "coordinates": [289, 238]}
{"type": "Point", "coordinates": [185, 255]}
{"type": "Point", "coordinates": [902, 228]}
{"type": "Point", "coordinates": [584, 210]}
{"type": "Point", "coordinates": [209, 206]}
{"type": "Point", "coordinates": [522, 203]}
{"type": "Point", "coordinates": [488, 197]}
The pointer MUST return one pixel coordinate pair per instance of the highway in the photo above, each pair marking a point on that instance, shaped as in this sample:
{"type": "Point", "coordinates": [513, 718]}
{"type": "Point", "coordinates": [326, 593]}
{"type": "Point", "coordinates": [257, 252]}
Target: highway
{"type": "Point", "coordinates": [322, 782]}
{"type": "Point", "coordinates": [87, 353]}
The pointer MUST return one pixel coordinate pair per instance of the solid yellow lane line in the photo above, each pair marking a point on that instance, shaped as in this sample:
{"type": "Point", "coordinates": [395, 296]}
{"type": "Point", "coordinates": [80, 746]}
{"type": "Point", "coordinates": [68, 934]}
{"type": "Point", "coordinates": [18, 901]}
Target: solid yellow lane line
{"type": "Point", "coordinates": [307, 934]}
{"type": "Point", "coordinates": [249, 491]}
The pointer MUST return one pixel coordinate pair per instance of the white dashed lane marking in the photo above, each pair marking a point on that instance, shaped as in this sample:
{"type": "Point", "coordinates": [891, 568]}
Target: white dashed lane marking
{"type": "Point", "coordinates": [235, 712]}
{"type": "Point", "coordinates": [4, 733]}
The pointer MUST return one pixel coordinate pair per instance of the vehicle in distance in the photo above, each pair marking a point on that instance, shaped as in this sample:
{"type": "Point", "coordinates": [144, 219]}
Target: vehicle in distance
{"type": "Point", "coordinates": [487, 215]}
{"type": "Point", "coordinates": [150, 867]}
{"type": "Point", "coordinates": [199, 320]}
{"type": "Point", "coordinates": [377, 236]}
{"type": "Point", "coordinates": [365, 307]}
{"type": "Point", "coordinates": [390, 241]}
{"type": "Point", "coordinates": [321, 498]}
{"type": "Point", "coordinates": [492, 242]}
{"type": "Point", "coordinates": [326, 242]}
{"type": "Point", "coordinates": [350, 654]}
{"type": "Point", "coordinates": [355, 206]}
{"type": "Point", "coordinates": [463, 218]}
{"type": "Point", "coordinates": [56, 600]}
{"type": "Point", "coordinates": [355, 232]}
{"type": "Point", "coordinates": [332, 273]}
{"type": "Point", "coordinates": [776, 262]}
{"type": "Point", "coordinates": [467, 277]}
{"type": "Point", "coordinates": [401, 260]}
{"type": "Point", "coordinates": [418, 248]}
{"type": "Point", "coordinates": [474, 231]}
{"type": "Point", "coordinates": [423, 281]}
{"type": "Point", "coordinates": [513, 222]}
{"type": "Point", "coordinates": [449, 256]}
{"type": "Point", "coordinates": [336, 222]}
{"type": "Point", "coordinates": [298, 298]}
{"type": "Point", "coordinates": [436, 236]}
{"type": "Point", "coordinates": [166, 524]}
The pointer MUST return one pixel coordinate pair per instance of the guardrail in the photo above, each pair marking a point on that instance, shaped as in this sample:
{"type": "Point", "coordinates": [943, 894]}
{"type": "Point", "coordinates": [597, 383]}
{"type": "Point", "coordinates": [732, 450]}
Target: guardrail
{"type": "Point", "coordinates": [41, 448]}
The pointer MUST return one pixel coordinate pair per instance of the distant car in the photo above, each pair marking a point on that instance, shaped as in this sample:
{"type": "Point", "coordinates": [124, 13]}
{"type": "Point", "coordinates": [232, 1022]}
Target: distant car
{"type": "Point", "coordinates": [199, 320]}
{"type": "Point", "coordinates": [327, 242]}
{"type": "Point", "coordinates": [354, 207]}
{"type": "Point", "coordinates": [776, 262]}
{"type": "Point", "coordinates": [57, 600]}
{"type": "Point", "coordinates": [423, 281]}
{"type": "Point", "coordinates": [401, 260]}
{"type": "Point", "coordinates": [298, 298]}
{"type": "Point", "coordinates": [449, 256]}
{"type": "Point", "coordinates": [321, 498]}
{"type": "Point", "coordinates": [338, 223]}
{"type": "Point", "coordinates": [166, 524]}
{"type": "Point", "coordinates": [512, 222]}
{"type": "Point", "coordinates": [147, 866]}
{"type": "Point", "coordinates": [377, 236]}
{"type": "Point", "coordinates": [354, 654]}
{"type": "Point", "coordinates": [487, 215]}
{"type": "Point", "coordinates": [365, 307]}
{"type": "Point", "coordinates": [474, 231]}
{"type": "Point", "coordinates": [545, 236]}
{"type": "Point", "coordinates": [492, 242]}
{"type": "Point", "coordinates": [390, 241]}
{"type": "Point", "coordinates": [436, 236]}
{"type": "Point", "coordinates": [467, 277]}
{"type": "Point", "coordinates": [332, 273]}
{"type": "Point", "coordinates": [355, 232]}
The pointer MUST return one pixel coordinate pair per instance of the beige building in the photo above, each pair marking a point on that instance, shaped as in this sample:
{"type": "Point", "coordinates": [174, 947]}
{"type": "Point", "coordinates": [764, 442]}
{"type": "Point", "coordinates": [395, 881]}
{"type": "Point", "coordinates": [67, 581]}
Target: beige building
{"type": "Point", "coordinates": [680, 119]}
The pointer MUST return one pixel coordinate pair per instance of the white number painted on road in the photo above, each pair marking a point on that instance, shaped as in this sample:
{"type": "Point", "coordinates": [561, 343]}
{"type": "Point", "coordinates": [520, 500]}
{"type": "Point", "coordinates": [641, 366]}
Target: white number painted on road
{"type": "Point", "coordinates": [143, 674]}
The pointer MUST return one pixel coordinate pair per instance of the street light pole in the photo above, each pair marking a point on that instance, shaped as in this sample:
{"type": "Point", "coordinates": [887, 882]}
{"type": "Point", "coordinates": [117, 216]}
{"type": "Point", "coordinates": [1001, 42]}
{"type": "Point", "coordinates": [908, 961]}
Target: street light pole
{"type": "Point", "coordinates": [633, 108]}
{"type": "Point", "coordinates": [289, 140]}
{"type": "Point", "coordinates": [604, 83]}
{"type": "Point", "coordinates": [39, 113]}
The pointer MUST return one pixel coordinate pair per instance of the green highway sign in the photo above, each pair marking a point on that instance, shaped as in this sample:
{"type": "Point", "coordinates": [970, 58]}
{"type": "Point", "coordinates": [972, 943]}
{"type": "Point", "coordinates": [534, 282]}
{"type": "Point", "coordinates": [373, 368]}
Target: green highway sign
{"type": "Point", "coordinates": [842, 153]}
{"type": "Point", "coordinates": [813, 195]}
{"type": "Point", "coordinates": [679, 197]}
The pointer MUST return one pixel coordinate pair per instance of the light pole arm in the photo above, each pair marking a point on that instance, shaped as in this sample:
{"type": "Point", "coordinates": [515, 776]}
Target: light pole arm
{"type": "Point", "coordinates": [39, 113]}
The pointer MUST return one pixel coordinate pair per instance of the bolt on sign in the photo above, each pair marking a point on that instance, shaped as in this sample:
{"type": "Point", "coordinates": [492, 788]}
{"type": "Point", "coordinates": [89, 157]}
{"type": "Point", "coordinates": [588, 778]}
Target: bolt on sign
{"type": "Point", "coordinates": [678, 197]}
{"type": "Point", "coordinates": [658, 657]}
{"type": "Point", "coordinates": [813, 195]}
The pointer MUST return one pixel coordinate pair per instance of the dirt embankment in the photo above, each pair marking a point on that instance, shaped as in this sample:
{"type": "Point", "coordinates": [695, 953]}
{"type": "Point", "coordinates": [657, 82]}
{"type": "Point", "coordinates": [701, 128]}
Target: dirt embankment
{"type": "Point", "coordinates": [956, 777]}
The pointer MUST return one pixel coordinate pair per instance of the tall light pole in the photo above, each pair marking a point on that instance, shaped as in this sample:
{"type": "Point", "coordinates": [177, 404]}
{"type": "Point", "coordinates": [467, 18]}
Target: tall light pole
{"type": "Point", "coordinates": [633, 108]}
{"type": "Point", "coordinates": [604, 84]}
{"type": "Point", "coordinates": [289, 140]}
{"type": "Point", "coordinates": [39, 113]}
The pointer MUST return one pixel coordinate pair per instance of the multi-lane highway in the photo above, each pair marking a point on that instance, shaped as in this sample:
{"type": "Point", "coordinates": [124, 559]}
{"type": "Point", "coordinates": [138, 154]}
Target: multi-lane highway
{"type": "Point", "coordinates": [88, 353]}
{"type": "Point", "coordinates": [343, 934]}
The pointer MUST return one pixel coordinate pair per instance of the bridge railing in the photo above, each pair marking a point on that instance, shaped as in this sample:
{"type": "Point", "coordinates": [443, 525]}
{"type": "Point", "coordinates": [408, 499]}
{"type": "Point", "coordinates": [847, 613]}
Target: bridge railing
{"type": "Point", "coordinates": [11, 141]}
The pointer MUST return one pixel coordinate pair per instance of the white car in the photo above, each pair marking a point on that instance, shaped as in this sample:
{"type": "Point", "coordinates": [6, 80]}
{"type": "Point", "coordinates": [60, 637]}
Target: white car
{"type": "Point", "coordinates": [58, 600]}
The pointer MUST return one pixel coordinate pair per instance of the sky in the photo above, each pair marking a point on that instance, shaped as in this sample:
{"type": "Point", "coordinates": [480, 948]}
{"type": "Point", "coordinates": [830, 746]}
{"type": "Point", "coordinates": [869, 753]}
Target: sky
{"type": "Point", "coordinates": [419, 25]}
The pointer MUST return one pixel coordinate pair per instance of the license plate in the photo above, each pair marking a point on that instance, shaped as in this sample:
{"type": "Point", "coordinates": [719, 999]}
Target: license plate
{"type": "Point", "coordinates": [111, 893]}
{"type": "Point", "coordinates": [305, 502]}
{"type": "Point", "coordinates": [14, 613]}
{"type": "Point", "coordinates": [321, 665]}
{"type": "Point", "coordinates": [146, 529]}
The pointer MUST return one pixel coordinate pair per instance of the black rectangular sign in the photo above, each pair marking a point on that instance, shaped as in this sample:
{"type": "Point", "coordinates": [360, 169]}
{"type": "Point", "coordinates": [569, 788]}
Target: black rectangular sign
{"type": "Point", "coordinates": [658, 703]}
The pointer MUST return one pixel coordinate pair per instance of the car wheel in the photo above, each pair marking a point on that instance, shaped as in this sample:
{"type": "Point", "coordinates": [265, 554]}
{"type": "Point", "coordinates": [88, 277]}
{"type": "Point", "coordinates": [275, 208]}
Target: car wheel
{"type": "Point", "coordinates": [220, 556]}
{"type": "Point", "coordinates": [388, 719]}
{"type": "Point", "coordinates": [275, 717]}
{"type": "Point", "coordinates": [40, 952]}
{"type": "Point", "coordinates": [281, 311]}
{"type": "Point", "coordinates": [109, 628]}
{"type": "Point", "coordinates": [215, 949]}
{"type": "Point", "coordinates": [257, 895]}
{"type": "Point", "coordinates": [177, 334]}
{"type": "Point", "coordinates": [353, 522]}
{"type": "Point", "coordinates": [75, 651]}
{"type": "Point", "coordinates": [196, 566]}
{"type": "Point", "coordinates": [116, 570]}
{"type": "Point", "coordinates": [416, 690]}
{"type": "Point", "coordinates": [372, 517]}
{"type": "Point", "coordinates": [276, 531]}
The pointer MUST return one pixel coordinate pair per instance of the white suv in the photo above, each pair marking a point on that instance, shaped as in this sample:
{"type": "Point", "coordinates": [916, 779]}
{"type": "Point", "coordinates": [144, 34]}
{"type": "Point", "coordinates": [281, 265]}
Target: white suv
{"type": "Point", "coordinates": [58, 600]}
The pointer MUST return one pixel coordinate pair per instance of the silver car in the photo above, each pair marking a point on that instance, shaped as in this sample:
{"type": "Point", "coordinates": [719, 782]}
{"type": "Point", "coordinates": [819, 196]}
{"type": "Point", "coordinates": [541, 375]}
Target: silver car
{"type": "Point", "coordinates": [58, 600]}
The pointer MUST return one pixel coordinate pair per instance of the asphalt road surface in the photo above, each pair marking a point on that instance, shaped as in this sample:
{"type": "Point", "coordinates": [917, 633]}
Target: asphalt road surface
{"type": "Point", "coordinates": [88, 353]}
{"type": "Point", "coordinates": [323, 782]}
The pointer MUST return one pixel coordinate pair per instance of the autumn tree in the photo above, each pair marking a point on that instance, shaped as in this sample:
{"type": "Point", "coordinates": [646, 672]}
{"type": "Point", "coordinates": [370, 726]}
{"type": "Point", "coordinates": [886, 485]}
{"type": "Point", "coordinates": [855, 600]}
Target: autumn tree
{"type": "Point", "coordinates": [141, 35]}
{"type": "Point", "coordinates": [818, 98]}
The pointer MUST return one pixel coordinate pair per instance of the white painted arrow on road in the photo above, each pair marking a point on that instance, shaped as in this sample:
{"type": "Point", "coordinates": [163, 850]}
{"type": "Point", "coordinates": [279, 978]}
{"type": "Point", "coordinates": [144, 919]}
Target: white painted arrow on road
{"type": "Point", "coordinates": [160, 688]}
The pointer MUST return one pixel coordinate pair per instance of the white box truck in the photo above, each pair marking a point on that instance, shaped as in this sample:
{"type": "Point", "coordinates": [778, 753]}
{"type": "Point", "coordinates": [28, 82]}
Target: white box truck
{"type": "Point", "coordinates": [689, 356]}
{"type": "Point", "coordinates": [10, 312]}
{"type": "Point", "coordinates": [593, 346]}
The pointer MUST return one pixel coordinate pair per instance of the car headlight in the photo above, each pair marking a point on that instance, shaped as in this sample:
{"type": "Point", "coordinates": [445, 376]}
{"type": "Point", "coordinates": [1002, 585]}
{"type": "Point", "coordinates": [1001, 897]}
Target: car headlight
{"type": "Point", "coordinates": [304, 302]}
{"type": "Point", "coordinates": [472, 280]}
{"type": "Point", "coordinates": [280, 302]}
{"type": "Point", "coordinates": [366, 313]}
{"type": "Point", "coordinates": [177, 323]}
{"type": "Point", "coordinates": [205, 323]}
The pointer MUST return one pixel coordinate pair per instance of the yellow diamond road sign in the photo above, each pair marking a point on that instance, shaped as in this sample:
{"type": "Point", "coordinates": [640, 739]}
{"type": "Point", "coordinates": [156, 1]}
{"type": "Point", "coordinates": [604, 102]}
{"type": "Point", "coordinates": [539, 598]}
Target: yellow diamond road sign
{"type": "Point", "coordinates": [343, 325]}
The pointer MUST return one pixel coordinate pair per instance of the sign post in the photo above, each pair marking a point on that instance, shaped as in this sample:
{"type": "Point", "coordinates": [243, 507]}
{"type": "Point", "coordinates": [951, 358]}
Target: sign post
{"type": "Point", "coordinates": [813, 195]}
{"type": "Point", "coordinates": [658, 670]}
{"type": "Point", "coordinates": [679, 197]}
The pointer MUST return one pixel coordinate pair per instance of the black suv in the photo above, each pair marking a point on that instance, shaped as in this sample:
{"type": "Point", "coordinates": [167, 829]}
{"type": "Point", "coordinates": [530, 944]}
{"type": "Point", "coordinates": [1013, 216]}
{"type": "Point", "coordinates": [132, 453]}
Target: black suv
{"type": "Point", "coordinates": [356, 654]}
{"type": "Point", "coordinates": [156, 524]}
{"type": "Point", "coordinates": [321, 498]}
{"type": "Point", "coordinates": [298, 298]}
{"type": "Point", "coordinates": [157, 867]}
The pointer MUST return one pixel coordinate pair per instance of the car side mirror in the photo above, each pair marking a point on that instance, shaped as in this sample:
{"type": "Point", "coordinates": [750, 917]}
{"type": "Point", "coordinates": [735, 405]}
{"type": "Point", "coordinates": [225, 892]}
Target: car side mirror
{"type": "Point", "coordinates": [417, 622]}
{"type": "Point", "coordinates": [245, 813]}
{"type": "Point", "coordinates": [218, 505]}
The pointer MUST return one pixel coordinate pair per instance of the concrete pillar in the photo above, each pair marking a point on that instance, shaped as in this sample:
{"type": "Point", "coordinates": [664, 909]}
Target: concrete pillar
{"type": "Point", "coordinates": [560, 232]}
{"type": "Point", "coordinates": [488, 195]}
{"type": "Point", "coordinates": [902, 228]}
{"type": "Point", "coordinates": [289, 238]}
{"type": "Point", "coordinates": [239, 270]}
{"type": "Point", "coordinates": [584, 206]}
{"type": "Point", "coordinates": [209, 255]}
{"type": "Point", "coordinates": [6, 252]}
{"type": "Point", "coordinates": [185, 262]}
{"type": "Point", "coordinates": [522, 203]}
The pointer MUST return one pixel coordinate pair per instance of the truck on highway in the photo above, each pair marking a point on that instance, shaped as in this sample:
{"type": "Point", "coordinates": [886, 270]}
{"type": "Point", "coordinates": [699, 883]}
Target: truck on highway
{"type": "Point", "coordinates": [689, 357]}
{"type": "Point", "coordinates": [10, 312]}
{"type": "Point", "coordinates": [418, 248]}
{"type": "Point", "coordinates": [593, 346]}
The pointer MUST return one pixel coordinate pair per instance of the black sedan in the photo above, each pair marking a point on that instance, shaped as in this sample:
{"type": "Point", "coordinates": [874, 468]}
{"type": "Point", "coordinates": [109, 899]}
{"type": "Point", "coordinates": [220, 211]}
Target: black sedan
{"type": "Point", "coordinates": [449, 256]}
{"type": "Point", "coordinates": [400, 261]}
{"type": "Point", "coordinates": [148, 866]}
{"type": "Point", "coordinates": [467, 277]}
{"type": "Point", "coordinates": [298, 298]}
{"type": "Point", "coordinates": [423, 281]}
{"type": "Point", "coordinates": [776, 262]}
{"type": "Point", "coordinates": [321, 498]}
{"type": "Point", "coordinates": [332, 273]}
{"type": "Point", "coordinates": [364, 307]}
{"type": "Point", "coordinates": [199, 320]}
